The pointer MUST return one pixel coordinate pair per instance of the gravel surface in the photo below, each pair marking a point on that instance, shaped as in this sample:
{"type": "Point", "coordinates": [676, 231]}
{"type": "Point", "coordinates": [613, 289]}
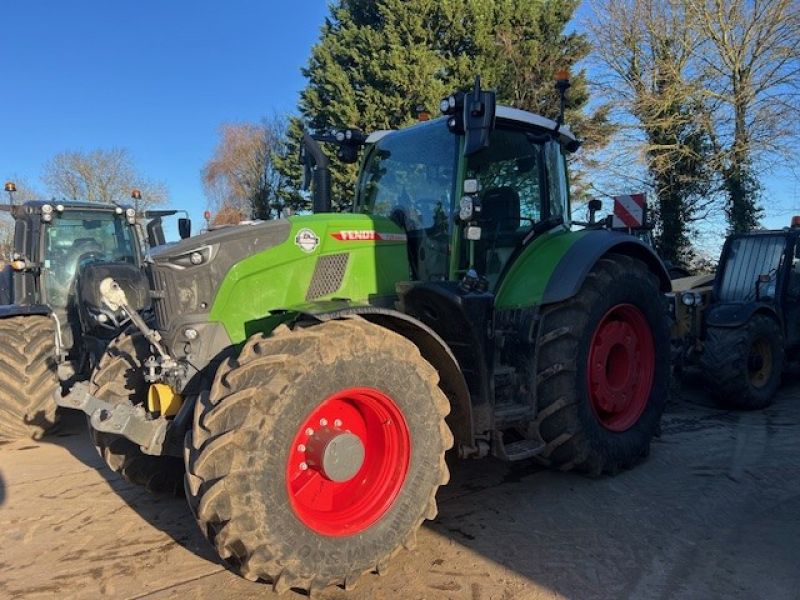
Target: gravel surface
{"type": "Point", "coordinates": [713, 513]}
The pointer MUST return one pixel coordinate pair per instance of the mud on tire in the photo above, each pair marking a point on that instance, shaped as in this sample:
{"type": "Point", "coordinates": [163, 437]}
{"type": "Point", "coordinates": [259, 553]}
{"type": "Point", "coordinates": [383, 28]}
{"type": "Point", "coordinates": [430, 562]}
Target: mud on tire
{"type": "Point", "coordinates": [119, 378]}
{"type": "Point", "coordinates": [27, 377]}
{"type": "Point", "coordinates": [241, 451]}
{"type": "Point", "coordinates": [577, 435]}
{"type": "Point", "coordinates": [742, 366]}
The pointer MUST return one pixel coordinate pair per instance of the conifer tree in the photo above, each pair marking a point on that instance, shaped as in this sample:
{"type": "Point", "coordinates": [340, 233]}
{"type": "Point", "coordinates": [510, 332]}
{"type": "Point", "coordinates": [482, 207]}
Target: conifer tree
{"type": "Point", "coordinates": [377, 61]}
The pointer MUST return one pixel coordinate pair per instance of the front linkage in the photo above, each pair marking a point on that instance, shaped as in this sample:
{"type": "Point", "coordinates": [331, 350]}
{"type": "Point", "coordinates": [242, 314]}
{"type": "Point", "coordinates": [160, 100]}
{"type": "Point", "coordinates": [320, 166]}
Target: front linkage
{"type": "Point", "coordinates": [131, 421]}
{"type": "Point", "coordinates": [128, 421]}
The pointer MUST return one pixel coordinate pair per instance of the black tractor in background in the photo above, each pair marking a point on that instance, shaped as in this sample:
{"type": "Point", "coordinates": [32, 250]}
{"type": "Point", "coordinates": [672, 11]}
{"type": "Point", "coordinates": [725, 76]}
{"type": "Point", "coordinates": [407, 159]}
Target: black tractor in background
{"type": "Point", "coordinates": [751, 323]}
{"type": "Point", "coordinates": [53, 326]}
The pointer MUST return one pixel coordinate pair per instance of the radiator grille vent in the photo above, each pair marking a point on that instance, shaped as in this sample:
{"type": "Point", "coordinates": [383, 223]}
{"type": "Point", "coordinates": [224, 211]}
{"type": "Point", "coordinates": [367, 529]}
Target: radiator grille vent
{"type": "Point", "coordinates": [161, 298]}
{"type": "Point", "coordinates": [328, 275]}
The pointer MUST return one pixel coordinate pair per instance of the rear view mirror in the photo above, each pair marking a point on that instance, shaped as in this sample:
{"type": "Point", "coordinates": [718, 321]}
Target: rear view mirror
{"type": "Point", "coordinates": [184, 227]}
{"type": "Point", "coordinates": [594, 206]}
{"type": "Point", "coordinates": [479, 113]}
{"type": "Point", "coordinates": [472, 115]}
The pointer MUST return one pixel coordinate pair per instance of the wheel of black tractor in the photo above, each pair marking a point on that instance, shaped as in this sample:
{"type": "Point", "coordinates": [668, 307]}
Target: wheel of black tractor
{"type": "Point", "coordinates": [119, 379]}
{"type": "Point", "coordinates": [743, 365]}
{"type": "Point", "coordinates": [317, 454]}
{"type": "Point", "coordinates": [603, 370]}
{"type": "Point", "coordinates": [28, 377]}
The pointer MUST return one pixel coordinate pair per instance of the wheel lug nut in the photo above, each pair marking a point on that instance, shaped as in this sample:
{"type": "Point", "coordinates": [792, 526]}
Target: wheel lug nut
{"type": "Point", "coordinates": [301, 448]}
{"type": "Point", "coordinates": [309, 431]}
{"type": "Point", "coordinates": [323, 422]}
{"type": "Point", "coordinates": [337, 423]}
{"type": "Point", "coordinates": [303, 466]}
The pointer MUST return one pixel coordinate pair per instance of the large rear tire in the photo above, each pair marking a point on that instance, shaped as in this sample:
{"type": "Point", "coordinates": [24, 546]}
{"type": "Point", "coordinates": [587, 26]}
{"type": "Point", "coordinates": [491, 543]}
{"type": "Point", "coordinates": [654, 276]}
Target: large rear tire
{"type": "Point", "coordinates": [119, 379]}
{"type": "Point", "coordinates": [603, 370]}
{"type": "Point", "coordinates": [261, 482]}
{"type": "Point", "coordinates": [28, 377]}
{"type": "Point", "coordinates": [742, 366]}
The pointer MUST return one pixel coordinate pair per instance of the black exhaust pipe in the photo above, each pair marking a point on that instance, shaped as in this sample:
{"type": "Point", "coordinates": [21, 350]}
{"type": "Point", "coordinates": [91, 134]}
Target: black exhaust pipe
{"type": "Point", "coordinates": [317, 173]}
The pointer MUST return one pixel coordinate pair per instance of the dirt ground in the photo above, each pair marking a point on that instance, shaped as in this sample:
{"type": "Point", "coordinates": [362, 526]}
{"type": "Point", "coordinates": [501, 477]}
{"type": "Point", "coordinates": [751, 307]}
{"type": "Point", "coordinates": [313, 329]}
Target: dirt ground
{"type": "Point", "coordinates": [713, 513]}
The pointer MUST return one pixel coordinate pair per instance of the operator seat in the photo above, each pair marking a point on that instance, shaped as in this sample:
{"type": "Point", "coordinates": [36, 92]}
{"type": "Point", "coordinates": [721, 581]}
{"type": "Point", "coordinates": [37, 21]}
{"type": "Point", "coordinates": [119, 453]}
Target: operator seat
{"type": "Point", "coordinates": [501, 212]}
{"type": "Point", "coordinates": [80, 247]}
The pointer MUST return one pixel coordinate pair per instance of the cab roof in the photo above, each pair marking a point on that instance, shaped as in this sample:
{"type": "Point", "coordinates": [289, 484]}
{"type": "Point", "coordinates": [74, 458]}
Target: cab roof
{"type": "Point", "coordinates": [35, 206]}
{"type": "Point", "coordinates": [512, 115]}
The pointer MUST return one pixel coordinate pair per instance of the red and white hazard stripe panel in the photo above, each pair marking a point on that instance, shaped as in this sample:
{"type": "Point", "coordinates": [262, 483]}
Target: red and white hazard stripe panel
{"type": "Point", "coordinates": [629, 211]}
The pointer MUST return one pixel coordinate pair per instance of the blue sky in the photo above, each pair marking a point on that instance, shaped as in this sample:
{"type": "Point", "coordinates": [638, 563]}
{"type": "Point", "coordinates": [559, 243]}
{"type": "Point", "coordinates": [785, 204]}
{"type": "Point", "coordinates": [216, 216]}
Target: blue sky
{"type": "Point", "coordinates": [160, 77]}
{"type": "Point", "coordinates": [155, 77]}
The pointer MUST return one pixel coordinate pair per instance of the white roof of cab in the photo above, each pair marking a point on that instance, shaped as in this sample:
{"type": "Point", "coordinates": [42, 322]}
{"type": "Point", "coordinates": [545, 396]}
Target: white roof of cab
{"type": "Point", "coordinates": [509, 114]}
{"type": "Point", "coordinates": [515, 114]}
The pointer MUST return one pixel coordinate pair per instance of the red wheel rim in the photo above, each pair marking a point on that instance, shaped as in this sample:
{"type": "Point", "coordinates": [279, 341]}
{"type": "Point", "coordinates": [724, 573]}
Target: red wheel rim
{"type": "Point", "coordinates": [351, 417]}
{"type": "Point", "coordinates": [621, 367]}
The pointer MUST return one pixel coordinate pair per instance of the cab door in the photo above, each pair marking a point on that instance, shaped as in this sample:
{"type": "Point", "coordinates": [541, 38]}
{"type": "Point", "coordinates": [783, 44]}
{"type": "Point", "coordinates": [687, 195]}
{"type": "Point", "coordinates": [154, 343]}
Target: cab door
{"type": "Point", "coordinates": [522, 191]}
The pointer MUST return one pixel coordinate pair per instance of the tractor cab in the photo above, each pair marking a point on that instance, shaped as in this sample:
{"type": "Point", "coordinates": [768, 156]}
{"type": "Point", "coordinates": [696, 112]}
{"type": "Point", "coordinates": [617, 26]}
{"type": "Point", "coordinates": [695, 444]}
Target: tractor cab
{"type": "Point", "coordinates": [468, 212]}
{"type": "Point", "coordinates": [52, 241]}
{"type": "Point", "coordinates": [759, 271]}
{"type": "Point", "coordinates": [76, 238]}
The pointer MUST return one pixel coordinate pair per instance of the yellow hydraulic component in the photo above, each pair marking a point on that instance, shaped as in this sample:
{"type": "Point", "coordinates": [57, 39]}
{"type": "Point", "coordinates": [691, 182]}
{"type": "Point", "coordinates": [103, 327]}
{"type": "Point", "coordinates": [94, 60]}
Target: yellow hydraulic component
{"type": "Point", "coordinates": [162, 399]}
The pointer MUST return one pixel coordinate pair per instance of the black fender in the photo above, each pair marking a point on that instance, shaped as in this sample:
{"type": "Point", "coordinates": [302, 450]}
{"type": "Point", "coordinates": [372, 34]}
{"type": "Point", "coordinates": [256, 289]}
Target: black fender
{"type": "Point", "coordinates": [737, 314]}
{"type": "Point", "coordinates": [24, 310]}
{"type": "Point", "coordinates": [574, 266]}
{"type": "Point", "coordinates": [432, 348]}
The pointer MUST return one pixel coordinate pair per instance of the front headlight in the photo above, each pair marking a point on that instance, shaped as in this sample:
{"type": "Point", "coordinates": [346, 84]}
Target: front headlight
{"type": "Point", "coordinates": [688, 299]}
{"type": "Point", "coordinates": [194, 258]}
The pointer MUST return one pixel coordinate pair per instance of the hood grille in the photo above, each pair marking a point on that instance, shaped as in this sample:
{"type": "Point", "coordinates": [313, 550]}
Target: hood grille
{"type": "Point", "coordinates": [162, 305]}
{"type": "Point", "coordinates": [328, 275]}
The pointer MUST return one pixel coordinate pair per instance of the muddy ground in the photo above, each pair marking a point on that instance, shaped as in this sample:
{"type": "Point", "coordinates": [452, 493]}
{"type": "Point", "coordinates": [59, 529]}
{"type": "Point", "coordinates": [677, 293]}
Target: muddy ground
{"type": "Point", "coordinates": [713, 513]}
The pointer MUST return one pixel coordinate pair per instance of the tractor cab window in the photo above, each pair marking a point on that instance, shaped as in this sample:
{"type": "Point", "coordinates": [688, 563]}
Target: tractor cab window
{"type": "Point", "coordinates": [409, 177]}
{"type": "Point", "coordinates": [76, 237]}
{"type": "Point", "coordinates": [511, 173]}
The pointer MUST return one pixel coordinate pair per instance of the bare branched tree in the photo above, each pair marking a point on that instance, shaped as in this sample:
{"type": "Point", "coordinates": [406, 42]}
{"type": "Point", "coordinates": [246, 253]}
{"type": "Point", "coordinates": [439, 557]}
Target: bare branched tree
{"type": "Point", "coordinates": [647, 52]}
{"type": "Point", "coordinates": [241, 175]}
{"type": "Point", "coordinates": [749, 60]}
{"type": "Point", "coordinates": [712, 87]}
{"type": "Point", "coordinates": [101, 175]}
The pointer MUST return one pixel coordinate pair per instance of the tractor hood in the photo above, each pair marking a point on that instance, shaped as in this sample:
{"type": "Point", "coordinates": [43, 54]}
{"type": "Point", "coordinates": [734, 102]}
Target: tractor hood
{"type": "Point", "coordinates": [238, 276]}
{"type": "Point", "coordinates": [234, 242]}
{"type": "Point", "coordinates": [184, 276]}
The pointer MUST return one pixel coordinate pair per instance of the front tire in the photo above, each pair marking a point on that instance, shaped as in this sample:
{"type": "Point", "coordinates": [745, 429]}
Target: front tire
{"type": "Point", "coordinates": [28, 377]}
{"type": "Point", "coordinates": [266, 491]}
{"type": "Point", "coordinates": [603, 370]}
{"type": "Point", "coordinates": [743, 365]}
{"type": "Point", "coordinates": [119, 379]}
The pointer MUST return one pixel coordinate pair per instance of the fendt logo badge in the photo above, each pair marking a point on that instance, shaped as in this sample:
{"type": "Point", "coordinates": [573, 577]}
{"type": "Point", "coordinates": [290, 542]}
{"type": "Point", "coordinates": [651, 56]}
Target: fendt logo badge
{"type": "Point", "coordinates": [306, 240]}
{"type": "Point", "coordinates": [368, 235]}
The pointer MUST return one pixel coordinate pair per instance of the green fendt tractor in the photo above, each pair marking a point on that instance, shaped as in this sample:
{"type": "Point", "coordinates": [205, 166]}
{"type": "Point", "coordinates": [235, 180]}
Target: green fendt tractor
{"type": "Point", "coordinates": [307, 375]}
{"type": "Point", "coordinates": [53, 326]}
